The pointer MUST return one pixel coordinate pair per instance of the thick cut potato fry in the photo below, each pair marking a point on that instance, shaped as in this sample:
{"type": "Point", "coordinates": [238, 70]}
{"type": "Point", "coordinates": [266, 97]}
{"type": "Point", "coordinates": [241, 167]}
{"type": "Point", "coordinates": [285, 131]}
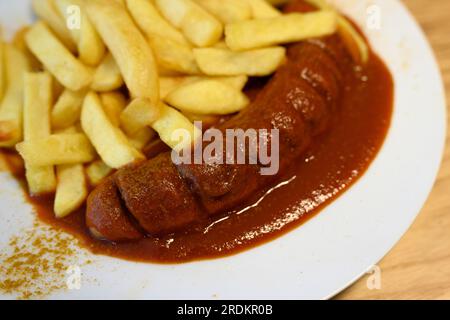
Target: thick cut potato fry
{"type": "Point", "coordinates": [288, 28]}
{"type": "Point", "coordinates": [169, 124]}
{"type": "Point", "coordinates": [11, 109]}
{"type": "Point", "coordinates": [200, 28]}
{"type": "Point", "coordinates": [141, 138]}
{"type": "Point", "coordinates": [207, 97]}
{"type": "Point", "coordinates": [57, 149]}
{"type": "Point", "coordinates": [139, 114]}
{"type": "Point", "coordinates": [227, 11]}
{"type": "Point", "coordinates": [47, 11]}
{"type": "Point", "coordinates": [107, 76]}
{"type": "Point", "coordinates": [71, 190]}
{"type": "Point", "coordinates": [355, 43]}
{"type": "Point", "coordinates": [152, 23]}
{"type": "Point", "coordinates": [36, 125]}
{"type": "Point", "coordinates": [277, 2]}
{"type": "Point", "coordinates": [111, 144]}
{"type": "Point", "coordinates": [67, 109]}
{"type": "Point", "coordinates": [57, 59]}
{"type": "Point", "coordinates": [258, 62]}
{"type": "Point", "coordinates": [261, 9]}
{"type": "Point", "coordinates": [113, 104]}
{"type": "Point", "coordinates": [128, 46]}
{"type": "Point", "coordinates": [19, 42]}
{"type": "Point", "coordinates": [169, 84]}
{"type": "Point", "coordinates": [97, 171]}
{"type": "Point", "coordinates": [2, 69]}
{"type": "Point", "coordinates": [174, 56]}
{"type": "Point", "coordinates": [91, 48]}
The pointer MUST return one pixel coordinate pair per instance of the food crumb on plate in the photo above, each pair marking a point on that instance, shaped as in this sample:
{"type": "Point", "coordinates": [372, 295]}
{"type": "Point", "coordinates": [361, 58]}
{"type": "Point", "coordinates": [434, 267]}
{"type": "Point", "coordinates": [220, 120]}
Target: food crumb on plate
{"type": "Point", "coordinates": [35, 264]}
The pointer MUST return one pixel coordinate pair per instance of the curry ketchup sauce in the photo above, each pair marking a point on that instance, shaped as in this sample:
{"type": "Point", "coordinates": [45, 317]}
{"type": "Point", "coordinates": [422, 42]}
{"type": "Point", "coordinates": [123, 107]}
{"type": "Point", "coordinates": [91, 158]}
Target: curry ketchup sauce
{"type": "Point", "coordinates": [333, 163]}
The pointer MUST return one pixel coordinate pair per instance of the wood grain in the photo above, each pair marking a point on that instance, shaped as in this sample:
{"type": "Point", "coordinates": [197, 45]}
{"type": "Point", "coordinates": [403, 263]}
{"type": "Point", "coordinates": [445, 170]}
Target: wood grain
{"type": "Point", "coordinates": [419, 265]}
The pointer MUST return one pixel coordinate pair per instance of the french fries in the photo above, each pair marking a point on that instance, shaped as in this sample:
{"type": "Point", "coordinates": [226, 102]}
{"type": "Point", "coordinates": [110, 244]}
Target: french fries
{"type": "Point", "coordinates": [97, 171]}
{"type": "Point", "coordinates": [152, 23]}
{"type": "Point", "coordinates": [223, 62]}
{"type": "Point", "coordinates": [138, 114]}
{"type": "Point", "coordinates": [71, 190]}
{"type": "Point", "coordinates": [141, 138]}
{"type": "Point", "coordinates": [56, 149]}
{"type": "Point", "coordinates": [46, 10]}
{"type": "Point", "coordinates": [207, 97]}
{"type": "Point", "coordinates": [113, 104]}
{"type": "Point", "coordinates": [261, 9]}
{"type": "Point", "coordinates": [174, 56]}
{"type": "Point", "coordinates": [90, 46]}
{"type": "Point", "coordinates": [284, 29]}
{"type": "Point", "coordinates": [107, 76]}
{"type": "Point", "coordinates": [36, 125]}
{"type": "Point", "coordinates": [110, 143]}
{"type": "Point", "coordinates": [57, 59]}
{"type": "Point", "coordinates": [356, 44]}
{"type": "Point", "coordinates": [277, 2]}
{"type": "Point", "coordinates": [128, 47]}
{"type": "Point", "coordinates": [172, 122]}
{"type": "Point", "coordinates": [169, 84]}
{"type": "Point", "coordinates": [11, 109]}
{"type": "Point", "coordinates": [19, 42]}
{"type": "Point", "coordinates": [200, 28]}
{"type": "Point", "coordinates": [228, 11]}
{"type": "Point", "coordinates": [67, 109]}
{"type": "Point", "coordinates": [2, 68]}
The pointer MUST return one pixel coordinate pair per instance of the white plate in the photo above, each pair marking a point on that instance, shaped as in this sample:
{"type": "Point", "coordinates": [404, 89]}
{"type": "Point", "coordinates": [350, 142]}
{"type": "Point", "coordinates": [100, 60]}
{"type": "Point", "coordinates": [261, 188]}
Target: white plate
{"type": "Point", "coordinates": [332, 250]}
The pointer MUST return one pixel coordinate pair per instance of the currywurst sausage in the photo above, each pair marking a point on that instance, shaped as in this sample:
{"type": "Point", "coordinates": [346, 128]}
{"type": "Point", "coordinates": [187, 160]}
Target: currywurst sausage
{"type": "Point", "coordinates": [158, 197]}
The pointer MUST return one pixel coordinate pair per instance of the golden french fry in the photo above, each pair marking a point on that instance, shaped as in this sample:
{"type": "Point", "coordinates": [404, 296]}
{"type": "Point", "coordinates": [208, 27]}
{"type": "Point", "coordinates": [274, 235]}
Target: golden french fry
{"type": "Point", "coordinates": [355, 43]}
{"type": "Point", "coordinates": [57, 59]}
{"type": "Point", "coordinates": [91, 48]}
{"type": "Point", "coordinates": [111, 144]}
{"type": "Point", "coordinates": [46, 10]}
{"type": "Point", "coordinates": [257, 62]}
{"type": "Point", "coordinates": [199, 27]}
{"type": "Point", "coordinates": [11, 109]}
{"type": "Point", "coordinates": [97, 171]}
{"type": "Point", "coordinates": [172, 125]}
{"type": "Point", "coordinates": [139, 114]}
{"type": "Point", "coordinates": [207, 97]}
{"type": "Point", "coordinates": [277, 2]}
{"type": "Point", "coordinates": [174, 56]}
{"type": "Point", "coordinates": [2, 69]}
{"type": "Point", "coordinates": [113, 104]}
{"type": "Point", "coordinates": [57, 149]}
{"type": "Point", "coordinates": [36, 125]}
{"type": "Point", "coordinates": [19, 42]}
{"type": "Point", "coordinates": [261, 9]}
{"type": "Point", "coordinates": [169, 84]}
{"type": "Point", "coordinates": [142, 137]}
{"type": "Point", "coordinates": [67, 109]}
{"type": "Point", "coordinates": [228, 11]}
{"type": "Point", "coordinates": [288, 28]}
{"type": "Point", "coordinates": [206, 120]}
{"type": "Point", "coordinates": [107, 76]}
{"type": "Point", "coordinates": [128, 46]}
{"type": "Point", "coordinates": [152, 23]}
{"type": "Point", "coordinates": [71, 190]}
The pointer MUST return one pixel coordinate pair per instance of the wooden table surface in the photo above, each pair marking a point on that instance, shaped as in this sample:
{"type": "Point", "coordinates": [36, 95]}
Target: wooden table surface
{"type": "Point", "coordinates": [419, 265]}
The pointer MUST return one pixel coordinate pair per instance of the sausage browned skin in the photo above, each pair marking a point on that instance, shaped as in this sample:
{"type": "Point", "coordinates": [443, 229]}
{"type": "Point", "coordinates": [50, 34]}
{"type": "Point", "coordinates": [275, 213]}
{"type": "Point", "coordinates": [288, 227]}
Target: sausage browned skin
{"type": "Point", "coordinates": [157, 197]}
